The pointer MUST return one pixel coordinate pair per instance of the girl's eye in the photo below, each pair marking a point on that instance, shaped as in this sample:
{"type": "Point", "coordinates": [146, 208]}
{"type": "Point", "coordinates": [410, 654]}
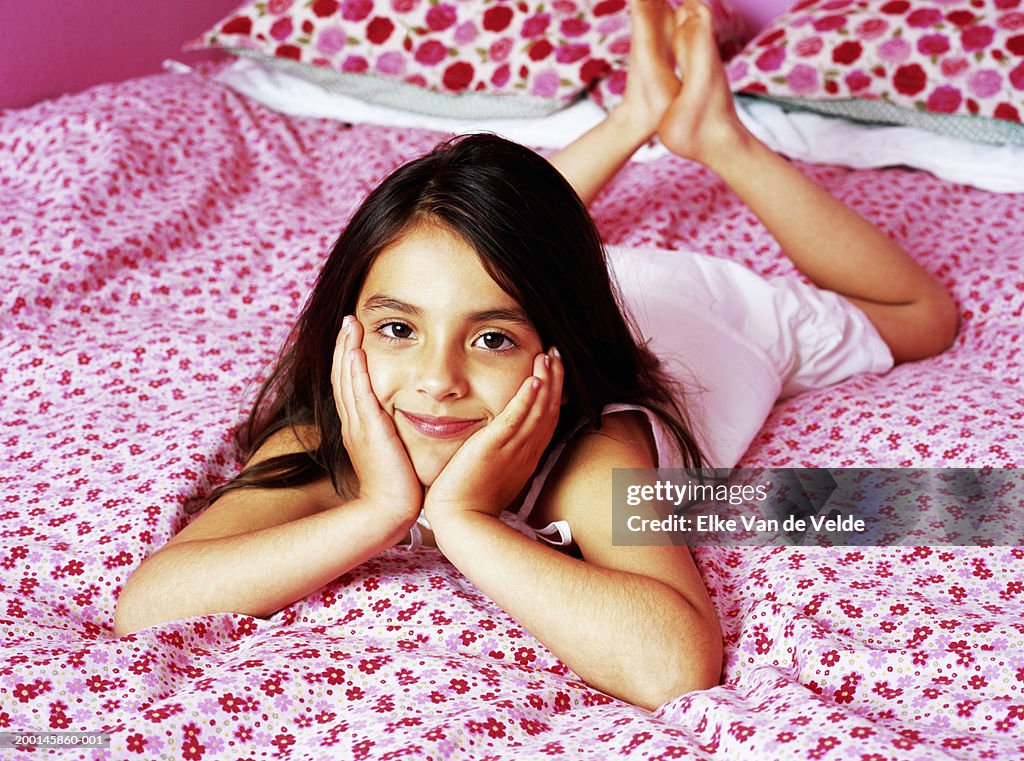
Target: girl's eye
{"type": "Point", "coordinates": [495, 341]}
{"type": "Point", "coordinates": [395, 330]}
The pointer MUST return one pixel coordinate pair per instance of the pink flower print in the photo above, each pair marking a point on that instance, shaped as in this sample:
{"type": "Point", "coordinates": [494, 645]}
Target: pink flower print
{"type": "Point", "coordinates": [465, 33]}
{"type": "Point", "coordinates": [923, 18]}
{"type": "Point", "coordinates": [1011, 22]}
{"type": "Point", "coordinates": [500, 49]}
{"type": "Point", "coordinates": [535, 25]}
{"type": "Point", "coordinates": [945, 99]}
{"type": "Point", "coordinates": [933, 44]}
{"type": "Point", "coordinates": [619, 46]}
{"type": "Point", "coordinates": [355, 64]}
{"type": "Point", "coordinates": [829, 23]}
{"type": "Point", "coordinates": [953, 67]}
{"type": "Point", "coordinates": [977, 37]}
{"type": "Point", "coordinates": [278, 7]}
{"type": "Point", "coordinates": [872, 28]}
{"type": "Point", "coordinates": [331, 40]}
{"type": "Point", "coordinates": [857, 81]}
{"type": "Point", "coordinates": [564, 7]}
{"type": "Point", "coordinates": [501, 76]}
{"type": "Point", "coordinates": [611, 25]}
{"type": "Point", "coordinates": [572, 52]}
{"type": "Point", "coordinates": [391, 62]}
{"type": "Point", "coordinates": [430, 53]}
{"type": "Point", "coordinates": [737, 70]}
{"type": "Point", "coordinates": [356, 10]}
{"type": "Point", "coordinates": [404, 6]}
{"type": "Point", "coordinates": [282, 29]}
{"type": "Point", "coordinates": [441, 16]}
{"type": "Point", "coordinates": [574, 27]}
{"type": "Point", "coordinates": [896, 50]}
{"type": "Point", "coordinates": [771, 59]}
{"type": "Point", "coordinates": [803, 79]}
{"type": "Point", "coordinates": [545, 84]}
{"type": "Point", "coordinates": [985, 83]}
{"type": "Point", "coordinates": [808, 46]}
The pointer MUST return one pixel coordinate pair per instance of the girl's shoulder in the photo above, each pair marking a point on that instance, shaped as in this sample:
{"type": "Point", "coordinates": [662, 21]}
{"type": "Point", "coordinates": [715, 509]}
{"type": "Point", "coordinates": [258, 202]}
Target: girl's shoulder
{"type": "Point", "coordinates": [581, 477]}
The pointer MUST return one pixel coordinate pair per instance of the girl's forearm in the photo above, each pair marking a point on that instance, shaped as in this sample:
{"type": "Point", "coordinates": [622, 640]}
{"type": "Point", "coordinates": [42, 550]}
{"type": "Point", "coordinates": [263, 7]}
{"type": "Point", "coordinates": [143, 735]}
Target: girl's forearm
{"type": "Point", "coordinates": [256, 573]}
{"type": "Point", "coordinates": [625, 634]}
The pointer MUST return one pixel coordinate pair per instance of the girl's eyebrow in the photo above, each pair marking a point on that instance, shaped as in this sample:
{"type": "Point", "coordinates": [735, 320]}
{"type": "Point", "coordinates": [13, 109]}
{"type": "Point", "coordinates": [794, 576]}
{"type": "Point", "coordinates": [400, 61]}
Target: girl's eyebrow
{"type": "Point", "coordinates": [381, 303]}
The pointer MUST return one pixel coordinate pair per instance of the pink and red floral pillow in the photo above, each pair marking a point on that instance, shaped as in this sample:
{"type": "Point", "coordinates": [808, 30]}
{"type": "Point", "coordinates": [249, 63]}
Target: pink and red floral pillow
{"type": "Point", "coordinates": [548, 50]}
{"type": "Point", "coordinates": [961, 57]}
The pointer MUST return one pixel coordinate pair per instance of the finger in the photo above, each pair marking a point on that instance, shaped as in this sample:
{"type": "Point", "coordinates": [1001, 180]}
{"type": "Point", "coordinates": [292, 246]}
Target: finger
{"type": "Point", "coordinates": [510, 420]}
{"type": "Point", "coordinates": [340, 370]}
{"type": "Point", "coordinates": [541, 407]}
{"type": "Point", "coordinates": [557, 381]}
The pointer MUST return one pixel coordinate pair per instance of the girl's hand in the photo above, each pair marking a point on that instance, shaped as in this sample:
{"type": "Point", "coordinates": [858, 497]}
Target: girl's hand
{"type": "Point", "coordinates": [490, 469]}
{"type": "Point", "coordinates": [701, 123]}
{"type": "Point", "coordinates": [386, 475]}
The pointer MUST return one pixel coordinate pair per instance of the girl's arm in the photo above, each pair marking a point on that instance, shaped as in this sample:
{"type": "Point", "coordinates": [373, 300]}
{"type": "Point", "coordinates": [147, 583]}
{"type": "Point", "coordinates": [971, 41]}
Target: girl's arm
{"type": "Point", "coordinates": [831, 244]}
{"type": "Point", "coordinates": [255, 551]}
{"type": "Point", "coordinates": [634, 622]}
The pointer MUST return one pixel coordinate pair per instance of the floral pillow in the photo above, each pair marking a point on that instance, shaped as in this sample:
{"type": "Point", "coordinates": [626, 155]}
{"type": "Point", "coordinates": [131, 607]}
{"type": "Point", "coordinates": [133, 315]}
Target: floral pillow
{"type": "Point", "coordinates": [895, 58]}
{"type": "Point", "coordinates": [542, 53]}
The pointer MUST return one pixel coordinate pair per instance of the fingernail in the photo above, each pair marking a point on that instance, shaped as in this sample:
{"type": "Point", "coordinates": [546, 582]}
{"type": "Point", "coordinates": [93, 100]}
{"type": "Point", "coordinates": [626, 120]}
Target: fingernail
{"type": "Point", "coordinates": [547, 361]}
{"type": "Point", "coordinates": [556, 352]}
{"type": "Point", "coordinates": [535, 384]}
{"type": "Point", "coordinates": [346, 324]}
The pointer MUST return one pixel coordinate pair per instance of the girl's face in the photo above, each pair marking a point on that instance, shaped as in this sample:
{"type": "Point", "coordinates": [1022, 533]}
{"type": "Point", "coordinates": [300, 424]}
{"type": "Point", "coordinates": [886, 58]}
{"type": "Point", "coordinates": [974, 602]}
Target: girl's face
{"type": "Point", "coordinates": [446, 347]}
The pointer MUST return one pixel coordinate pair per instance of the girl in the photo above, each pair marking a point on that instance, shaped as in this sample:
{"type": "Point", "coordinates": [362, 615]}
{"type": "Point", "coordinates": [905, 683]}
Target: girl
{"type": "Point", "coordinates": [462, 376]}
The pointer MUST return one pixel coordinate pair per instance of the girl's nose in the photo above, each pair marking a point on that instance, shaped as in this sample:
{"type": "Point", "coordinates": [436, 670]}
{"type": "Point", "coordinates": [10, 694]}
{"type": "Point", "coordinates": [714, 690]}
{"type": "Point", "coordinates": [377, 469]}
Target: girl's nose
{"type": "Point", "coordinates": [441, 375]}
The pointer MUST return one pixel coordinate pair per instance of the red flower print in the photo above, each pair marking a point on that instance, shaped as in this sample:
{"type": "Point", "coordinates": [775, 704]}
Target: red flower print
{"type": "Point", "coordinates": [922, 18]}
{"type": "Point", "coordinates": [857, 80]}
{"type": "Point", "coordinates": [136, 743]}
{"type": "Point", "coordinates": [540, 50]}
{"type": "Point", "coordinates": [440, 17]}
{"type": "Point", "coordinates": [960, 18]}
{"type": "Point", "coordinates": [379, 29]}
{"type": "Point", "coordinates": [497, 18]}
{"type": "Point", "coordinates": [324, 8]}
{"type": "Point", "coordinates": [829, 23]}
{"type": "Point", "coordinates": [237, 25]}
{"type": "Point", "coordinates": [1017, 77]}
{"type": "Point", "coordinates": [977, 37]}
{"type": "Point", "coordinates": [933, 44]}
{"type": "Point", "coordinates": [847, 52]}
{"type": "Point", "coordinates": [572, 53]}
{"type": "Point", "coordinates": [945, 100]}
{"type": "Point", "coordinates": [535, 25]}
{"type": "Point", "coordinates": [458, 76]}
{"type": "Point", "coordinates": [1007, 112]}
{"type": "Point", "coordinates": [430, 53]}
{"type": "Point", "coordinates": [501, 75]}
{"type": "Point", "coordinates": [896, 7]}
{"type": "Point", "coordinates": [608, 7]}
{"type": "Point", "coordinates": [291, 52]}
{"type": "Point", "coordinates": [910, 79]}
{"type": "Point", "coordinates": [771, 59]}
{"type": "Point", "coordinates": [593, 69]}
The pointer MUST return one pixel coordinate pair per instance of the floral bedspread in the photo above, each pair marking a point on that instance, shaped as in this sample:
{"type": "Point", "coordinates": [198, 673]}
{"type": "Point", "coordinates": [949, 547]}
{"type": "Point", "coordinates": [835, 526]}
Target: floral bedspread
{"type": "Point", "coordinates": [158, 236]}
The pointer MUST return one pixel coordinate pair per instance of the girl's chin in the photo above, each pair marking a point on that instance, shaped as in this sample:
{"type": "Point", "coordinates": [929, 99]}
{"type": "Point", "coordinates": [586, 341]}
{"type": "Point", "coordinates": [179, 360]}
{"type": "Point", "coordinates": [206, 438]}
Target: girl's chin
{"type": "Point", "coordinates": [429, 467]}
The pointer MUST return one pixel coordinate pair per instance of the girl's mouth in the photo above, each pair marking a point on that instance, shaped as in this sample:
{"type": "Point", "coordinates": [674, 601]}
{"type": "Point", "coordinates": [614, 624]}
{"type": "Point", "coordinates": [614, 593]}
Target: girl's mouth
{"type": "Point", "coordinates": [439, 427]}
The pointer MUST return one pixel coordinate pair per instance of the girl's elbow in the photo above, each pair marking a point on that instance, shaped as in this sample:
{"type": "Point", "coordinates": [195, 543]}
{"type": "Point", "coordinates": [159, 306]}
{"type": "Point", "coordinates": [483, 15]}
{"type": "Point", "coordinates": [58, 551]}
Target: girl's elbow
{"type": "Point", "coordinates": [695, 664]}
{"type": "Point", "coordinates": [932, 332]}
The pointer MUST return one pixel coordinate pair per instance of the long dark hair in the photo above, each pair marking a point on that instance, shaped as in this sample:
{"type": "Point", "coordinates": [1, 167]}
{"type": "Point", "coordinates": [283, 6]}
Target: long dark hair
{"type": "Point", "coordinates": [533, 235]}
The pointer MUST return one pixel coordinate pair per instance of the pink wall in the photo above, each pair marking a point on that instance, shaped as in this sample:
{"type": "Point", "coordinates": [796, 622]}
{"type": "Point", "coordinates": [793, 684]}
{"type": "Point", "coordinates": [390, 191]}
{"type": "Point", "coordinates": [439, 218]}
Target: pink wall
{"type": "Point", "coordinates": [52, 47]}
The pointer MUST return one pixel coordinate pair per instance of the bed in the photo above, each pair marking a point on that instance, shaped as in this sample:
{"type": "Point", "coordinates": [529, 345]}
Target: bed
{"type": "Point", "coordinates": [158, 237]}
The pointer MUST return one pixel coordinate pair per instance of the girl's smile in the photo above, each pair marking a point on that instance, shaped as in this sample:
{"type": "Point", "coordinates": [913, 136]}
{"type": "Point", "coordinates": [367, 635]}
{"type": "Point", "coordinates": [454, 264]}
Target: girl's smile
{"type": "Point", "coordinates": [446, 347]}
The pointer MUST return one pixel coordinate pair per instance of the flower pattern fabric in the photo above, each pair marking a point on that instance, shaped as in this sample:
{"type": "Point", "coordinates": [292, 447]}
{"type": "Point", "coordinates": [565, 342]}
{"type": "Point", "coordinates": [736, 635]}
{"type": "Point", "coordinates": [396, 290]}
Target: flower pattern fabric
{"type": "Point", "coordinates": [550, 50]}
{"type": "Point", "coordinates": [160, 235]}
{"type": "Point", "coordinates": [961, 57]}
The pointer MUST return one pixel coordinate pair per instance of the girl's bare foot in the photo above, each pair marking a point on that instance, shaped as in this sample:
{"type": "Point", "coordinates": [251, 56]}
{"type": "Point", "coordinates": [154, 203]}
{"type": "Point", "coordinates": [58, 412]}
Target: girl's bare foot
{"type": "Point", "coordinates": [701, 119]}
{"type": "Point", "coordinates": [651, 84]}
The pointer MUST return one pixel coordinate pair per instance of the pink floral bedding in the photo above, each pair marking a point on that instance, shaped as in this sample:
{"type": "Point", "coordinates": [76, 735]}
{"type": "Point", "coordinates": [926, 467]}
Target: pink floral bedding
{"type": "Point", "coordinates": [158, 236]}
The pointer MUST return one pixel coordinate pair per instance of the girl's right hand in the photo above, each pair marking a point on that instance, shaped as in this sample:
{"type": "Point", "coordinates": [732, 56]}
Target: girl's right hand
{"type": "Point", "coordinates": [386, 475]}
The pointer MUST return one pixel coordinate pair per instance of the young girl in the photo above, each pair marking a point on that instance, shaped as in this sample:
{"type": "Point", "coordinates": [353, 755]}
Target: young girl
{"type": "Point", "coordinates": [462, 376]}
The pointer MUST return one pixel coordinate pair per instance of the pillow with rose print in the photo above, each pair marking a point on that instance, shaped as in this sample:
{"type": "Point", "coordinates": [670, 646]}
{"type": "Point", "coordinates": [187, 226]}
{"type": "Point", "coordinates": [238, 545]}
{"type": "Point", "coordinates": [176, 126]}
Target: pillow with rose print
{"type": "Point", "coordinates": [446, 57]}
{"type": "Point", "coordinates": [952, 66]}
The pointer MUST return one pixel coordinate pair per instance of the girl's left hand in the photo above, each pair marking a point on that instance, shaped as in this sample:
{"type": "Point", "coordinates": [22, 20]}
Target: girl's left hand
{"type": "Point", "coordinates": [490, 469]}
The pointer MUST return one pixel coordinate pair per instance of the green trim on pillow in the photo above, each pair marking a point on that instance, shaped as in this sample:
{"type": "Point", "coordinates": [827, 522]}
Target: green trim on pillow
{"type": "Point", "coordinates": [977, 129]}
{"type": "Point", "coordinates": [392, 93]}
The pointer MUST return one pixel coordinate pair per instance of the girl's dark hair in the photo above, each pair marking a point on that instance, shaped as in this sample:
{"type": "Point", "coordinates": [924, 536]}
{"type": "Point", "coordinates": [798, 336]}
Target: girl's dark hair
{"type": "Point", "coordinates": [533, 235]}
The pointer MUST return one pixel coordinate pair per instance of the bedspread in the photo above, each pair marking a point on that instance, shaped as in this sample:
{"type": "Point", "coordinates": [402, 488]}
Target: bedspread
{"type": "Point", "coordinates": [158, 237]}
